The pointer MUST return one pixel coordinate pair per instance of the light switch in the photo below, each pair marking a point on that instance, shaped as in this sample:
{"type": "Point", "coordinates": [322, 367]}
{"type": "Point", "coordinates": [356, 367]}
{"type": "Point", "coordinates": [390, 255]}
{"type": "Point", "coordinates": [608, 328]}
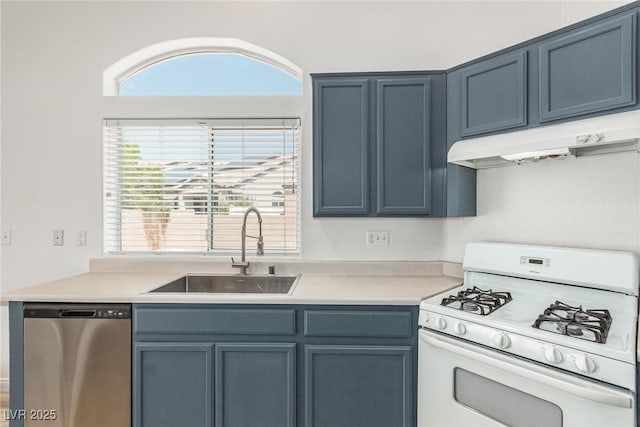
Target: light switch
{"type": "Point", "coordinates": [81, 238]}
{"type": "Point", "coordinates": [6, 237]}
{"type": "Point", "coordinates": [58, 237]}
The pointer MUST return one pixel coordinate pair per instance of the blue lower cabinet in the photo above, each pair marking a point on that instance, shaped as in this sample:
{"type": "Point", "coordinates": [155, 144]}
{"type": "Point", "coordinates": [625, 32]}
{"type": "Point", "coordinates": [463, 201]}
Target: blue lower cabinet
{"type": "Point", "coordinates": [173, 384]}
{"type": "Point", "coordinates": [351, 386]}
{"type": "Point", "coordinates": [255, 385]}
{"type": "Point", "coordinates": [322, 366]}
{"type": "Point", "coordinates": [183, 384]}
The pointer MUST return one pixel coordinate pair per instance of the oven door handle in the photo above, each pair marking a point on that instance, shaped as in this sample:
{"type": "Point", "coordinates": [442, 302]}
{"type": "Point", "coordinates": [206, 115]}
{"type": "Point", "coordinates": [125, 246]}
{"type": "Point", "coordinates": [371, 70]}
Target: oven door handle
{"type": "Point", "coordinates": [563, 382]}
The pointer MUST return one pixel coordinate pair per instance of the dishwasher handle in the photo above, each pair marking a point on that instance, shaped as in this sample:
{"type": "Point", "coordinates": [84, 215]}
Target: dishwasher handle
{"type": "Point", "coordinates": [77, 313]}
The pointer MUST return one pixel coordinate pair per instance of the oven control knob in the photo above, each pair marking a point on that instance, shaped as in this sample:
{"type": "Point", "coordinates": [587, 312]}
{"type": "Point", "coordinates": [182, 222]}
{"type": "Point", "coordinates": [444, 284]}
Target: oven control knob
{"type": "Point", "coordinates": [585, 364]}
{"type": "Point", "coordinates": [441, 323]}
{"type": "Point", "coordinates": [501, 340]}
{"type": "Point", "coordinates": [553, 355]}
{"type": "Point", "coordinates": [459, 328]}
{"type": "Point", "coordinates": [424, 317]}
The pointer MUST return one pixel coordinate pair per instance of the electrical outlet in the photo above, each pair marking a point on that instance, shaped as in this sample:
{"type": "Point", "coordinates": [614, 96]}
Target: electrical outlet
{"type": "Point", "coordinates": [378, 238]}
{"type": "Point", "coordinates": [6, 237]}
{"type": "Point", "coordinates": [58, 237]}
{"type": "Point", "coordinates": [81, 238]}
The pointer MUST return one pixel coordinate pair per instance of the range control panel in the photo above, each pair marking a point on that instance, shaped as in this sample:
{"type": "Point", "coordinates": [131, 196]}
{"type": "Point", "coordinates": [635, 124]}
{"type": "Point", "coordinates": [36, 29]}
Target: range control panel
{"type": "Point", "coordinates": [547, 353]}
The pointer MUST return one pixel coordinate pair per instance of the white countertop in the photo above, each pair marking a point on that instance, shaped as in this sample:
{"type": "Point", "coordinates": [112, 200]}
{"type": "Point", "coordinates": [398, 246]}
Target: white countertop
{"type": "Point", "coordinates": [133, 287]}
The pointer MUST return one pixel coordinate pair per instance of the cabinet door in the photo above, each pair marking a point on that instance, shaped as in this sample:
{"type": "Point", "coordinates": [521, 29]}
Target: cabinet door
{"type": "Point", "coordinates": [494, 94]}
{"type": "Point", "coordinates": [255, 385]}
{"type": "Point", "coordinates": [403, 143]}
{"type": "Point", "coordinates": [351, 386]}
{"type": "Point", "coordinates": [341, 147]}
{"type": "Point", "coordinates": [589, 70]}
{"type": "Point", "coordinates": [172, 384]}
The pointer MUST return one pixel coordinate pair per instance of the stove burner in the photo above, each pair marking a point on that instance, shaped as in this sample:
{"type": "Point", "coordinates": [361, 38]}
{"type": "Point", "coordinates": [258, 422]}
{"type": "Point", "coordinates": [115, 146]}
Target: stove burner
{"type": "Point", "coordinates": [561, 318]}
{"type": "Point", "coordinates": [469, 306]}
{"type": "Point", "coordinates": [572, 330]}
{"type": "Point", "coordinates": [476, 300]}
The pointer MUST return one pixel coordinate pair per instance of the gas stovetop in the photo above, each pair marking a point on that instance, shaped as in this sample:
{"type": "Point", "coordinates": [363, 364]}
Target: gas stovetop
{"type": "Point", "coordinates": [531, 300]}
{"type": "Point", "coordinates": [573, 309]}
{"type": "Point", "coordinates": [477, 300]}
{"type": "Point", "coordinates": [587, 324]}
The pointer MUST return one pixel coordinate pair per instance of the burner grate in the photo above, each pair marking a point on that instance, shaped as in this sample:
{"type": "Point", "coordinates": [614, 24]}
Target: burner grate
{"type": "Point", "coordinates": [476, 300]}
{"type": "Point", "coordinates": [561, 318]}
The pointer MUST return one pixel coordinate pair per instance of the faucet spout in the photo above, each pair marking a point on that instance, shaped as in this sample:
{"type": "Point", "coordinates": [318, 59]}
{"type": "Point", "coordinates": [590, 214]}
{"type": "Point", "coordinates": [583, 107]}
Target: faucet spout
{"type": "Point", "coordinates": [244, 264]}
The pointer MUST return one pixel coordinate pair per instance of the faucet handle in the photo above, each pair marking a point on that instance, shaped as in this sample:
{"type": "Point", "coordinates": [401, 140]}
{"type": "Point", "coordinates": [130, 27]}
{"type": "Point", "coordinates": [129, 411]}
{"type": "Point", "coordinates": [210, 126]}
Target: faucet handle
{"type": "Point", "coordinates": [260, 249]}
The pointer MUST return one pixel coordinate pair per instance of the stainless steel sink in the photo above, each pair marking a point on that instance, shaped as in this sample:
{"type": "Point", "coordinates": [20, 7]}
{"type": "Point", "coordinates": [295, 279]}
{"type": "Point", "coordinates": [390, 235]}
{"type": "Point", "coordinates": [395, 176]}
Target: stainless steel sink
{"type": "Point", "coordinates": [227, 284]}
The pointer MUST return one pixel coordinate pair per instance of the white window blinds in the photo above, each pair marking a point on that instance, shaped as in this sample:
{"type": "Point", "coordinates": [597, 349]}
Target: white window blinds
{"type": "Point", "coordinates": [184, 185]}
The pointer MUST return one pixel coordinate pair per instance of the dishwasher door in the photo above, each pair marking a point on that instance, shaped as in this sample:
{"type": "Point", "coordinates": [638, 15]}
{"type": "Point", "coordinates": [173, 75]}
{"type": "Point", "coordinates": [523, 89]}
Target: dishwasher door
{"type": "Point", "coordinates": [77, 365]}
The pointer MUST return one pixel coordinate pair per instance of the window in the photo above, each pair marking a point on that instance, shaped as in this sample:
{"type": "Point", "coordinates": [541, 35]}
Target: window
{"type": "Point", "coordinates": [184, 185]}
{"type": "Point", "coordinates": [226, 74]}
{"type": "Point", "coordinates": [278, 199]}
{"type": "Point", "coordinates": [202, 66]}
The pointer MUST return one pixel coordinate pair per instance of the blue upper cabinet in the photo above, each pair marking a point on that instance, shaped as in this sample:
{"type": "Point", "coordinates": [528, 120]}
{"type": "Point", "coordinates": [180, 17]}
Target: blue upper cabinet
{"type": "Point", "coordinates": [379, 144]}
{"type": "Point", "coordinates": [341, 146]}
{"type": "Point", "coordinates": [586, 69]}
{"type": "Point", "coordinates": [403, 146]}
{"type": "Point", "coordinates": [589, 70]}
{"type": "Point", "coordinates": [494, 94]}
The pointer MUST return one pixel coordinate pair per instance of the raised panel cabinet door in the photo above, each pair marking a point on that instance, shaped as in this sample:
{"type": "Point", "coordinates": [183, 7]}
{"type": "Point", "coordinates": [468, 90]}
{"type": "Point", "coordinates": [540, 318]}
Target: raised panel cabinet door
{"type": "Point", "coordinates": [403, 144]}
{"type": "Point", "coordinates": [255, 385]}
{"type": "Point", "coordinates": [589, 70]}
{"type": "Point", "coordinates": [494, 94]}
{"type": "Point", "coordinates": [358, 386]}
{"type": "Point", "coordinates": [173, 384]}
{"type": "Point", "coordinates": [341, 147]}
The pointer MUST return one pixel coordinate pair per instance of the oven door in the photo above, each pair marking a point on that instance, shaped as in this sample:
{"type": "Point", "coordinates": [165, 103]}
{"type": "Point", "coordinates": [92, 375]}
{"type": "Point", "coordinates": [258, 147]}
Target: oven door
{"type": "Point", "coordinates": [463, 384]}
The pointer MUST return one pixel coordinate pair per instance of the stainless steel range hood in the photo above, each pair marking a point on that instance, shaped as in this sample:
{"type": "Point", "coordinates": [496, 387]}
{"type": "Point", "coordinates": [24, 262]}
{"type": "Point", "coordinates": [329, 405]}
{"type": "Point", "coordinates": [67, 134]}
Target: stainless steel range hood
{"type": "Point", "coordinates": [599, 135]}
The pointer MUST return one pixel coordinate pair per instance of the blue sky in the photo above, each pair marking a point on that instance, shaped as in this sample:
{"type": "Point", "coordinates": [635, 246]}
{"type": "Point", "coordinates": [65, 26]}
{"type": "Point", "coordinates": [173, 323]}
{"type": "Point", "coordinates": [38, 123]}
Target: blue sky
{"type": "Point", "coordinates": [211, 74]}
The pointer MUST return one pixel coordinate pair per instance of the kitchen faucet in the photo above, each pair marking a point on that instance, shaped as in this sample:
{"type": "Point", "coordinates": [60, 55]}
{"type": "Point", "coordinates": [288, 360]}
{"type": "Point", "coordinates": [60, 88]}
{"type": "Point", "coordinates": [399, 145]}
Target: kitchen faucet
{"type": "Point", "coordinates": [244, 264]}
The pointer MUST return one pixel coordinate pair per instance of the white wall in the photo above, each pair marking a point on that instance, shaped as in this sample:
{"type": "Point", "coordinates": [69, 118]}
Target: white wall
{"type": "Point", "coordinates": [589, 202]}
{"type": "Point", "coordinates": [53, 54]}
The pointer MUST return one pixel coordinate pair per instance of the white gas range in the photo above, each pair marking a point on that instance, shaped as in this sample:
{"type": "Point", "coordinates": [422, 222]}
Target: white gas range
{"type": "Point", "coordinates": [534, 336]}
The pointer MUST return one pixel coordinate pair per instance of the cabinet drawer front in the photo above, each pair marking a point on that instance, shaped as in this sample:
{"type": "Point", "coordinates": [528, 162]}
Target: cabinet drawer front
{"type": "Point", "coordinates": [590, 70]}
{"type": "Point", "coordinates": [494, 95]}
{"type": "Point", "coordinates": [320, 323]}
{"type": "Point", "coordinates": [214, 321]}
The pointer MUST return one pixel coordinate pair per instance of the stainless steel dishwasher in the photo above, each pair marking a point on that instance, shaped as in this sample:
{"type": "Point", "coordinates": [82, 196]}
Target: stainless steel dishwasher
{"type": "Point", "coordinates": [77, 365]}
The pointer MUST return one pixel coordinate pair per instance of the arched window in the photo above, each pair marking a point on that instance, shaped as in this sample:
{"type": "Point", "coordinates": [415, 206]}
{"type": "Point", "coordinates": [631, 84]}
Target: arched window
{"type": "Point", "coordinates": [226, 74]}
{"type": "Point", "coordinates": [183, 184]}
{"type": "Point", "coordinates": [203, 66]}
